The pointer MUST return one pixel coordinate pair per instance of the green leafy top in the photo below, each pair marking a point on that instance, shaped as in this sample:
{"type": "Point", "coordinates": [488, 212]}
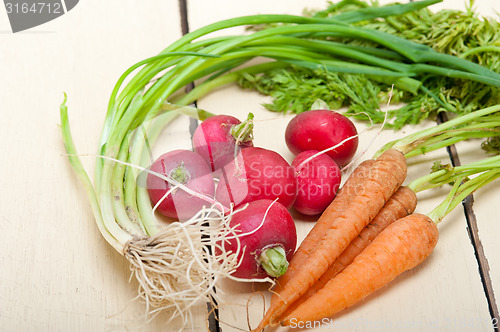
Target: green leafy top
{"type": "Point", "coordinates": [453, 32]}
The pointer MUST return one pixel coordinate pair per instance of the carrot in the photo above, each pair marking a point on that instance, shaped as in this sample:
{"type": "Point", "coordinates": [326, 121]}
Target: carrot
{"type": "Point", "coordinates": [400, 247]}
{"type": "Point", "coordinates": [281, 306]}
{"type": "Point", "coordinates": [344, 196]}
{"type": "Point", "coordinates": [384, 177]}
{"type": "Point", "coordinates": [309, 244]}
{"type": "Point", "coordinates": [401, 204]}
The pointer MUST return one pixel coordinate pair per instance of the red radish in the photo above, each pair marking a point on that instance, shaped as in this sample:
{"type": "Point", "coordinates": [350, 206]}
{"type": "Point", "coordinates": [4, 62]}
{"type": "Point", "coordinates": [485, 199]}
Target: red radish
{"type": "Point", "coordinates": [318, 181]}
{"type": "Point", "coordinates": [320, 130]}
{"type": "Point", "coordinates": [255, 174]}
{"type": "Point", "coordinates": [267, 250]}
{"type": "Point", "coordinates": [187, 168]}
{"type": "Point", "coordinates": [216, 138]}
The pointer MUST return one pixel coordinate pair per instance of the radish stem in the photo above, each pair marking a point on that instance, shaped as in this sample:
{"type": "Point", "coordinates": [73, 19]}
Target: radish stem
{"type": "Point", "coordinates": [243, 132]}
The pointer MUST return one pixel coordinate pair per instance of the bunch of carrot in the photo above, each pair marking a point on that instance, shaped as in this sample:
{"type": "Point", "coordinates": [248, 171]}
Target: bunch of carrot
{"type": "Point", "coordinates": [370, 234]}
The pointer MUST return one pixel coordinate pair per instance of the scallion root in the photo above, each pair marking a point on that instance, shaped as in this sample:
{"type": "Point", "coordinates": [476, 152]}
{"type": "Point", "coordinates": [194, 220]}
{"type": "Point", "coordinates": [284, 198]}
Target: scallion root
{"type": "Point", "coordinates": [178, 267]}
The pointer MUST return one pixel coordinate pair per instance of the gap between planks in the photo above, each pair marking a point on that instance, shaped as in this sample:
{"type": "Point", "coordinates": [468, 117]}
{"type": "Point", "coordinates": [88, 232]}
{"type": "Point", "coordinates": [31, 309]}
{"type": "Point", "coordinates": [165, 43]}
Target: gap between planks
{"type": "Point", "coordinates": [212, 311]}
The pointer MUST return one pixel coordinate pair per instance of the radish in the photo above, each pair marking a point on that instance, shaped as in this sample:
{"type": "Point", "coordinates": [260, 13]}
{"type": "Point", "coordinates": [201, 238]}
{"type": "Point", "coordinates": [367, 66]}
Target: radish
{"type": "Point", "coordinates": [217, 138]}
{"type": "Point", "coordinates": [318, 180]}
{"type": "Point", "coordinates": [267, 236]}
{"type": "Point", "coordinates": [255, 174]}
{"type": "Point", "coordinates": [322, 129]}
{"type": "Point", "coordinates": [187, 168]}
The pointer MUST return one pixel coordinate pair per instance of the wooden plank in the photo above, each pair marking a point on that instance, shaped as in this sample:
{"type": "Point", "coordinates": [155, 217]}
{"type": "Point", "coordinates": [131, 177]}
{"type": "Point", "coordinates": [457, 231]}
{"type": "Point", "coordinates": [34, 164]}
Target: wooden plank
{"type": "Point", "coordinates": [58, 273]}
{"type": "Point", "coordinates": [425, 298]}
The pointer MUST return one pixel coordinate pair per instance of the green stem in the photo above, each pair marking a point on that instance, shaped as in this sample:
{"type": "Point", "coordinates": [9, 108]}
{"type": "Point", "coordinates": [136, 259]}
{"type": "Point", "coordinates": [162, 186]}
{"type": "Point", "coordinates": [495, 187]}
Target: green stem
{"type": "Point", "coordinates": [120, 209]}
{"type": "Point", "coordinates": [113, 234]}
{"type": "Point", "coordinates": [482, 76]}
{"type": "Point", "coordinates": [209, 85]}
{"type": "Point", "coordinates": [400, 45]}
{"type": "Point", "coordinates": [243, 132]}
{"type": "Point", "coordinates": [460, 191]}
{"type": "Point", "coordinates": [145, 136]}
{"type": "Point", "coordinates": [451, 137]}
{"type": "Point", "coordinates": [140, 154]}
{"type": "Point", "coordinates": [480, 49]}
{"type": "Point", "coordinates": [451, 174]}
{"type": "Point", "coordinates": [411, 141]}
{"type": "Point", "coordinates": [178, 108]}
{"type": "Point", "coordinates": [403, 83]}
{"type": "Point", "coordinates": [443, 104]}
{"type": "Point", "coordinates": [333, 48]}
{"type": "Point", "coordinates": [369, 13]}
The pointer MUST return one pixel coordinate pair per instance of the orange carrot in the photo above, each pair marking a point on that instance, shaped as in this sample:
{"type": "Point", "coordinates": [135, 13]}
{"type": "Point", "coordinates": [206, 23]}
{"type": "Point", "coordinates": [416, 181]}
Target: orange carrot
{"type": "Point", "coordinates": [384, 178]}
{"type": "Point", "coordinates": [349, 189]}
{"type": "Point", "coordinates": [401, 204]}
{"type": "Point", "coordinates": [400, 247]}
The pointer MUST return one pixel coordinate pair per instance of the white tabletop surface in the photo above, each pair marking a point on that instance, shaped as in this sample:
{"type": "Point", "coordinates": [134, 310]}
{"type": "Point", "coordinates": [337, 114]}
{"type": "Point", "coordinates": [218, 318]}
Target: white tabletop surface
{"type": "Point", "coordinates": [57, 272]}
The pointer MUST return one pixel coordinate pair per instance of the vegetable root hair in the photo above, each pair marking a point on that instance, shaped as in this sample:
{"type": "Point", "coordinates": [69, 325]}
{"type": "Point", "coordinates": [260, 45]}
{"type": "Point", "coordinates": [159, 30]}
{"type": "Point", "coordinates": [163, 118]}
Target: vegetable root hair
{"type": "Point", "coordinates": [178, 267]}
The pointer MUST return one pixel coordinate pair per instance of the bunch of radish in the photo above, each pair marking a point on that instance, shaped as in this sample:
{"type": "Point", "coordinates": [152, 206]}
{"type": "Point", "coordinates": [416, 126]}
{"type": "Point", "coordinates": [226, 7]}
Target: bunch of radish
{"type": "Point", "coordinates": [257, 185]}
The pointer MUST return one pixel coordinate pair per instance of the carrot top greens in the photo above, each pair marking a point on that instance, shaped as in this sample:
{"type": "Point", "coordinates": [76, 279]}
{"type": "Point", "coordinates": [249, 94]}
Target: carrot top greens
{"type": "Point", "coordinates": [460, 33]}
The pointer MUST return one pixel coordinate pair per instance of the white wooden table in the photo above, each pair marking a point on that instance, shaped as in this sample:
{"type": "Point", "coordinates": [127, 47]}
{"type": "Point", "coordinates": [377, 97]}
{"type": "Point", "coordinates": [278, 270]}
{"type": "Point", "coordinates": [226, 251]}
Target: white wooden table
{"type": "Point", "coordinates": [58, 274]}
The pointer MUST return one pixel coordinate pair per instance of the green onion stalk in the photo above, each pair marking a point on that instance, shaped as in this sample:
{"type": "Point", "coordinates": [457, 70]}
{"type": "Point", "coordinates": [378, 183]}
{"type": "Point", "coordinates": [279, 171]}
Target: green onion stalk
{"type": "Point", "coordinates": [154, 96]}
